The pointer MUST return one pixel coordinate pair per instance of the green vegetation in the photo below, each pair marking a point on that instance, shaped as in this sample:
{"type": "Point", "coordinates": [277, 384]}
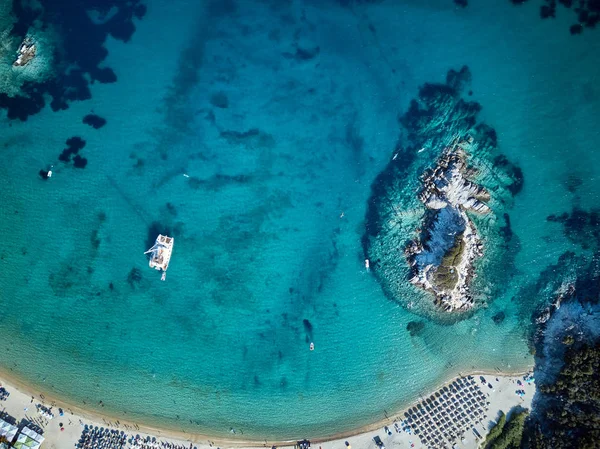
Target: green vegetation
{"type": "Point", "coordinates": [446, 275]}
{"type": "Point", "coordinates": [507, 435]}
{"type": "Point", "coordinates": [570, 417]}
{"type": "Point", "coordinates": [495, 431]}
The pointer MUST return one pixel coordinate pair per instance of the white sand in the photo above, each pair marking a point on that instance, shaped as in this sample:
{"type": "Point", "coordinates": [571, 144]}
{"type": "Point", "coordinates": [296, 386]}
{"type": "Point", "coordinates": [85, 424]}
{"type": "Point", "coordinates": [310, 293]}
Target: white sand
{"type": "Point", "coordinates": [20, 405]}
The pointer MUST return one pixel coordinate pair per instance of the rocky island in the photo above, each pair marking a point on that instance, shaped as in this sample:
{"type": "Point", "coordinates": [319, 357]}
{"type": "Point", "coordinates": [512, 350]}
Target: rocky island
{"type": "Point", "coordinates": [437, 228]}
{"type": "Point", "coordinates": [442, 256]}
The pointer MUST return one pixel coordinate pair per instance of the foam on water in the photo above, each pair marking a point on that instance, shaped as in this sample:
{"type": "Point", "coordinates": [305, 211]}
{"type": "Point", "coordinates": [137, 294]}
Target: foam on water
{"type": "Point", "coordinates": [263, 264]}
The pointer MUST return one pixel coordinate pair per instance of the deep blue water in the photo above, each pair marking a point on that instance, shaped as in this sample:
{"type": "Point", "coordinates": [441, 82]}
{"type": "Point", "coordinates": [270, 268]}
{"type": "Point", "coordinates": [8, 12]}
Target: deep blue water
{"type": "Point", "coordinates": [282, 114]}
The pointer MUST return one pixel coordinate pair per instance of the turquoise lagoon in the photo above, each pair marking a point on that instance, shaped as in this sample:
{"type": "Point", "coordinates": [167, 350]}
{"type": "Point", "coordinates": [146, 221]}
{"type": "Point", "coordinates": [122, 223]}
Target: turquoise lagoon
{"type": "Point", "coordinates": [263, 261]}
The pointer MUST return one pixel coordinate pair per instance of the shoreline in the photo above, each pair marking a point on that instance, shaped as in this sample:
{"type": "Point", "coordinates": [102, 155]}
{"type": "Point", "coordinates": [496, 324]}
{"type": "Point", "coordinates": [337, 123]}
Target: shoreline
{"type": "Point", "coordinates": [76, 412]}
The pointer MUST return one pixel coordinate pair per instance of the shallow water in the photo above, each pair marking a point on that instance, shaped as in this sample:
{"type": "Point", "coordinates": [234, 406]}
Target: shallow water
{"type": "Point", "coordinates": [263, 264]}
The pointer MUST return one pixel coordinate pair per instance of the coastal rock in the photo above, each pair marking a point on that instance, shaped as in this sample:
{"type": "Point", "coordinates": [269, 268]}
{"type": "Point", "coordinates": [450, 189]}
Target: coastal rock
{"type": "Point", "coordinates": [26, 52]}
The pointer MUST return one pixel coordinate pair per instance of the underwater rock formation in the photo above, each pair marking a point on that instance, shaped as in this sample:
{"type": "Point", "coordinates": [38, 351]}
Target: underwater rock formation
{"type": "Point", "coordinates": [437, 216]}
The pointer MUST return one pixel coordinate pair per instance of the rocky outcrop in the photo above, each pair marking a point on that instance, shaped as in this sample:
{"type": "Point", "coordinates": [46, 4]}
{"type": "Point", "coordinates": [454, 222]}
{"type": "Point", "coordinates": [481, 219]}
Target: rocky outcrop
{"type": "Point", "coordinates": [442, 257]}
{"type": "Point", "coordinates": [26, 52]}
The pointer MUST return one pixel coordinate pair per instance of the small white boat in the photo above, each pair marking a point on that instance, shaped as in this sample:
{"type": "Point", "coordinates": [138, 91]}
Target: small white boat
{"type": "Point", "coordinates": [367, 264]}
{"type": "Point", "coordinates": [160, 254]}
{"type": "Point", "coordinates": [312, 346]}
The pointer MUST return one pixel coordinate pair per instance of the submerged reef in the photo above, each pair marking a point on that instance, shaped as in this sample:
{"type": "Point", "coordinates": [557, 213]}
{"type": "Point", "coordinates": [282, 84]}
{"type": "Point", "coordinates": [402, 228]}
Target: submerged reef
{"type": "Point", "coordinates": [436, 220]}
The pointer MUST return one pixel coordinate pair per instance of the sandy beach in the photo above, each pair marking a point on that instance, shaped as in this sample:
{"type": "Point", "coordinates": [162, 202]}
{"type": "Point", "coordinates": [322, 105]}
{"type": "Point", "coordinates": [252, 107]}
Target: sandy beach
{"type": "Point", "coordinates": [21, 405]}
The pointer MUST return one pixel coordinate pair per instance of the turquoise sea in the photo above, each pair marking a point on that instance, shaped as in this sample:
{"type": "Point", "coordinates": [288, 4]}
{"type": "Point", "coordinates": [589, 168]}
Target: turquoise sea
{"type": "Point", "coordinates": [281, 114]}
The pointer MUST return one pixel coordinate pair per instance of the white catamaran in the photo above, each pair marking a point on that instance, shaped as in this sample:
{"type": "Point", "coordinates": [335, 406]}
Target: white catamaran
{"type": "Point", "coordinates": [160, 254]}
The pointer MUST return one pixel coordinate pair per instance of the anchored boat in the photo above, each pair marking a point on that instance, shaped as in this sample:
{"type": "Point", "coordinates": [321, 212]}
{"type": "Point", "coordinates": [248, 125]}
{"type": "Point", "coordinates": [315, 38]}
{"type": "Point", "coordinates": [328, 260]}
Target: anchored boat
{"type": "Point", "coordinates": [160, 254]}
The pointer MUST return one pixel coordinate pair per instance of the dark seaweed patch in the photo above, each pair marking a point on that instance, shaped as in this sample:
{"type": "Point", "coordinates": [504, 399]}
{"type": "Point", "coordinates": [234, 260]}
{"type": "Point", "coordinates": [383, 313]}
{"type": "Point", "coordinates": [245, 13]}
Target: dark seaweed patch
{"type": "Point", "coordinates": [499, 318]}
{"type": "Point", "coordinates": [581, 227]}
{"type": "Point", "coordinates": [573, 183]}
{"type": "Point", "coordinates": [303, 54]}
{"type": "Point", "coordinates": [587, 11]}
{"type": "Point", "coordinates": [415, 328]}
{"type": "Point", "coordinates": [514, 171]}
{"type": "Point", "coordinates": [95, 121]}
{"type": "Point", "coordinates": [253, 138]}
{"type": "Point", "coordinates": [308, 328]}
{"type": "Point", "coordinates": [171, 209]}
{"type": "Point", "coordinates": [219, 100]}
{"type": "Point", "coordinates": [74, 144]}
{"type": "Point", "coordinates": [79, 162]}
{"type": "Point", "coordinates": [134, 278]}
{"type": "Point", "coordinates": [95, 240]}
